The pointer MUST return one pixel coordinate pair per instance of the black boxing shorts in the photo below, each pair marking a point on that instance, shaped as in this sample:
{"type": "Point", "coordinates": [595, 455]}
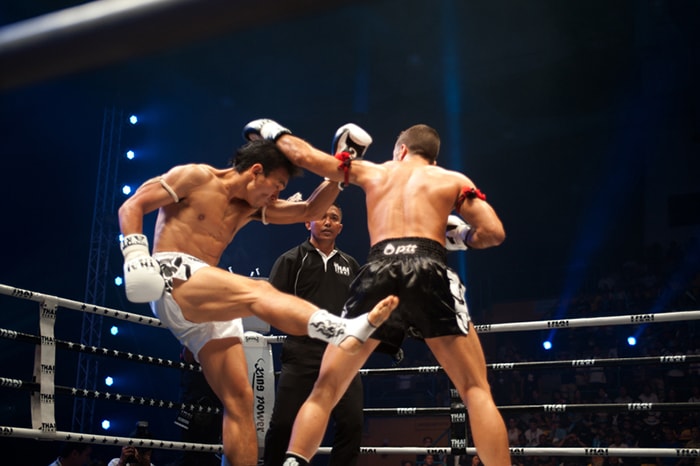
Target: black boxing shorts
{"type": "Point", "coordinates": [431, 296]}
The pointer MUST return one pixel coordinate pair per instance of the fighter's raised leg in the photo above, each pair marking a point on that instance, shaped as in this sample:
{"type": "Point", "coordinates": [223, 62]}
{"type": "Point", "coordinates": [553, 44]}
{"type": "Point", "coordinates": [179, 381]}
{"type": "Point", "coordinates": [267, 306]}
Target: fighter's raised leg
{"type": "Point", "coordinates": [350, 334]}
{"type": "Point", "coordinates": [238, 296]}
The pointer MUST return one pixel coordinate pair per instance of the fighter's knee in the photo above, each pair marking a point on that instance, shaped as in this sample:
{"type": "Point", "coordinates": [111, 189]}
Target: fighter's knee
{"type": "Point", "coordinates": [325, 394]}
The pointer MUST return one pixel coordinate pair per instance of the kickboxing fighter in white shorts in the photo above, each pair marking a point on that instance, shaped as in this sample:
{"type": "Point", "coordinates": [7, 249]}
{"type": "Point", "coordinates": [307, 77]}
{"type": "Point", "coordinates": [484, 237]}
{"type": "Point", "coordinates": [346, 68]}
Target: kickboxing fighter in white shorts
{"type": "Point", "coordinates": [200, 210]}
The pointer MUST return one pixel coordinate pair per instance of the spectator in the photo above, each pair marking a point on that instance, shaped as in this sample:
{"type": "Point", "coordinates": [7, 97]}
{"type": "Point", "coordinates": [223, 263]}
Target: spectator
{"type": "Point", "coordinates": [558, 432]}
{"type": "Point", "coordinates": [668, 440]}
{"type": "Point", "coordinates": [514, 433]}
{"type": "Point", "coordinates": [694, 443]}
{"type": "Point", "coordinates": [430, 460]}
{"type": "Point", "coordinates": [532, 434]}
{"type": "Point", "coordinates": [695, 394]}
{"type": "Point", "coordinates": [135, 456]}
{"type": "Point", "coordinates": [623, 395]}
{"type": "Point", "coordinates": [73, 454]}
{"type": "Point", "coordinates": [428, 443]}
{"type": "Point", "coordinates": [650, 396]}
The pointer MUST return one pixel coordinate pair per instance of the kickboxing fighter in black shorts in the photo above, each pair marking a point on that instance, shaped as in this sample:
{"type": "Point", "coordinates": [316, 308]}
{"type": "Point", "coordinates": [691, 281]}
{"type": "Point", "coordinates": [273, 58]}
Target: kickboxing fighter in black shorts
{"type": "Point", "coordinates": [409, 201]}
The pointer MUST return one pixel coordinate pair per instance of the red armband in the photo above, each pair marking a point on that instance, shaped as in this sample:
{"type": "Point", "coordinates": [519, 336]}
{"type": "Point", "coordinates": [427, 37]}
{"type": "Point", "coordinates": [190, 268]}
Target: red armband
{"type": "Point", "coordinates": [468, 193]}
{"type": "Point", "coordinates": [345, 161]}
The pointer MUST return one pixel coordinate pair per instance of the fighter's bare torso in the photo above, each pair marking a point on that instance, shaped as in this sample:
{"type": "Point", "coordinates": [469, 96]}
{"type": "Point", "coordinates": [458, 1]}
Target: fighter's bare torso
{"type": "Point", "coordinates": [432, 192]}
{"type": "Point", "coordinates": [214, 205]}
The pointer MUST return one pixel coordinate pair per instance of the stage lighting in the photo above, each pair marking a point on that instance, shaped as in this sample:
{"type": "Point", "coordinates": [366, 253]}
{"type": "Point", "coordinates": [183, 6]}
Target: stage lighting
{"type": "Point", "coordinates": [109, 381]}
{"type": "Point", "coordinates": [114, 330]}
{"type": "Point", "coordinates": [133, 119]}
{"type": "Point", "coordinates": [547, 345]}
{"type": "Point", "coordinates": [126, 189]}
{"type": "Point", "coordinates": [631, 341]}
{"type": "Point", "coordinates": [130, 154]}
{"type": "Point", "coordinates": [106, 424]}
{"type": "Point", "coordinates": [118, 281]}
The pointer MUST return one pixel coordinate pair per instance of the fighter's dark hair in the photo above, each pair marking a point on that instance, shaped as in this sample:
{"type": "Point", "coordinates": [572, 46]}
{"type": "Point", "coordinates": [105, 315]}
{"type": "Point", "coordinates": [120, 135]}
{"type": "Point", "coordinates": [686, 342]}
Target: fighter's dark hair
{"type": "Point", "coordinates": [422, 140]}
{"type": "Point", "coordinates": [267, 154]}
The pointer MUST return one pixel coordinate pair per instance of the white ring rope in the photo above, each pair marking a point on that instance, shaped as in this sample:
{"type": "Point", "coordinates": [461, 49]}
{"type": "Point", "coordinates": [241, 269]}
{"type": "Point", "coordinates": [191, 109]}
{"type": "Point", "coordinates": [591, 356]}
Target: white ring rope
{"type": "Point", "coordinates": [505, 366]}
{"type": "Point", "coordinates": [78, 306]}
{"type": "Point", "coordinates": [590, 322]}
{"type": "Point", "coordinates": [534, 451]}
{"type": "Point", "coordinates": [97, 395]}
{"type": "Point", "coordinates": [8, 431]}
{"type": "Point", "coordinates": [547, 408]}
{"type": "Point", "coordinates": [100, 351]}
{"type": "Point", "coordinates": [486, 328]}
{"type": "Point", "coordinates": [673, 359]}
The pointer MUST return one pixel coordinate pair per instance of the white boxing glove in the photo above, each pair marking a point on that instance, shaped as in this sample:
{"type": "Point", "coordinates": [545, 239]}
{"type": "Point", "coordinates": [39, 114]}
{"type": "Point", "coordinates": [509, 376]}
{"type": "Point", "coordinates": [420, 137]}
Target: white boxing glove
{"type": "Point", "coordinates": [264, 129]}
{"type": "Point", "coordinates": [352, 139]}
{"type": "Point", "coordinates": [456, 234]}
{"type": "Point", "coordinates": [142, 279]}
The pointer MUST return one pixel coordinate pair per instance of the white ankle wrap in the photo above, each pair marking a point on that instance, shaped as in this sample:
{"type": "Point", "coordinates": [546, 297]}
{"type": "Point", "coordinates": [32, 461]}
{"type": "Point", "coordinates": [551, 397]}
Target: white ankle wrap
{"type": "Point", "coordinates": [333, 329]}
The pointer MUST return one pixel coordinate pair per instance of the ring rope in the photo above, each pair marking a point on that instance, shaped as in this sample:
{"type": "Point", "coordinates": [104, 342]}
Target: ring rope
{"type": "Point", "coordinates": [79, 306]}
{"type": "Point", "coordinates": [534, 451]}
{"type": "Point", "coordinates": [485, 328]}
{"type": "Point", "coordinates": [674, 316]}
{"type": "Point", "coordinates": [9, 431]}
{"type": "Point", "coordinates": [589, 322]}
{"type": "Point", "coordinates": [97, 395]}
{"type": "Point", "coordinates": [575, 363]}
{"type": "Point", "coordinates": [100, 351]}
{"type": "Point", "coordinates": [401, 411]}
{"type": "Point", "coordinates": [548, 408]}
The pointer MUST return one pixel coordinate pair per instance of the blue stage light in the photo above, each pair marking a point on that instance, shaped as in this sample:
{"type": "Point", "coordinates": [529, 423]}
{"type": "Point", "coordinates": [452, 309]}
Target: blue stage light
{"type": "Point", "coordinates": [126, 189]}
{"type": "Point", "coordinates": [106, 424]}
{"type": "Point", "coordinates": [118, 281]}
{"type": "Point", "coordinates": [547, 345]}
{"type": "Point", "coordinates": [114, 330]}
{"type": "Point", "coordinates": [130, 154]}
{"type": "Point", "coordinates": [133, 119]}
{"type": "Point", "coordinates": [109, 381]}
{"type": "Point", "coordinates": [631, 341]}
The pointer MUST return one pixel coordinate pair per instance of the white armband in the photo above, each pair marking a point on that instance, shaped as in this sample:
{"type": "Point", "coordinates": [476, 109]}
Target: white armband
{"type": "Point", "coordinates": [170, 190]}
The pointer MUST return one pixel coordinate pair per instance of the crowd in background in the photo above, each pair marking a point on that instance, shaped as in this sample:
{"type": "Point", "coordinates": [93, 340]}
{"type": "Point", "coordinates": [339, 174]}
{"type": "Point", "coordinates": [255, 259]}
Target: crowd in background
{"type": "Point", "coordinates": [664, 280]}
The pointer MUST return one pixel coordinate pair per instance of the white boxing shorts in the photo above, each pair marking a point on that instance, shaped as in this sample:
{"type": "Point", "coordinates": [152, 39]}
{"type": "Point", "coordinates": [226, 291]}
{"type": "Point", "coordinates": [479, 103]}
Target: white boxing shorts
{"type": "Point", "coordinates": [193, 335]}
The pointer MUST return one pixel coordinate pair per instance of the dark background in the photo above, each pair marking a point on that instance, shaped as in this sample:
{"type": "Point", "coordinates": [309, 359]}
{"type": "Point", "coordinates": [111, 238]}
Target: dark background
{"type": "Point", "coordinates": [580, 121]}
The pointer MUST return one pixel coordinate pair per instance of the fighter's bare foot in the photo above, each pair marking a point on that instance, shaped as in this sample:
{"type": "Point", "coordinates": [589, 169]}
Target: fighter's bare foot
{"type": "Point", "coordinates": [382, 310]}
{"type": "Point", "coordinates": [361, 327]}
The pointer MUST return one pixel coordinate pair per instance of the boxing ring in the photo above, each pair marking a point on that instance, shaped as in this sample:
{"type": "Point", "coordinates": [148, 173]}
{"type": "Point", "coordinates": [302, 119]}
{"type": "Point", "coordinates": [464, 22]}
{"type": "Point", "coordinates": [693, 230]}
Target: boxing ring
{"type": "Point", "coordinates": [44, 391]}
